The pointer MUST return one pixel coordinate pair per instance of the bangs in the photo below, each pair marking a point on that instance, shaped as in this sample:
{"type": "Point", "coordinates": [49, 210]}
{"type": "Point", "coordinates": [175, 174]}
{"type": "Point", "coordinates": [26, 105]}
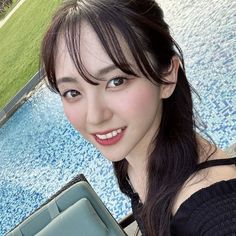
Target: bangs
{"type": "Point", "coordinates": [109, 39]}
{"type": "Point", "coordinates": [108, 25]}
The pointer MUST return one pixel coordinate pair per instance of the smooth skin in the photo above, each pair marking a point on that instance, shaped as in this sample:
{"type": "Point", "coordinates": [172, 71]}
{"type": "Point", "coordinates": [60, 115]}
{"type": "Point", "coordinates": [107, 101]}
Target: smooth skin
{"type": "Point", "coordinates": [119, 101]}
{"type": "Point", "coordinates": [122, 102]}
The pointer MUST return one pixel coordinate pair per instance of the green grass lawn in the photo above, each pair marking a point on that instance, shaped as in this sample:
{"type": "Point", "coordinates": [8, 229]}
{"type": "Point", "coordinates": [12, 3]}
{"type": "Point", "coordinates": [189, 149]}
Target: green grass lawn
{"type": "Point", "coordinates": [20, 39]}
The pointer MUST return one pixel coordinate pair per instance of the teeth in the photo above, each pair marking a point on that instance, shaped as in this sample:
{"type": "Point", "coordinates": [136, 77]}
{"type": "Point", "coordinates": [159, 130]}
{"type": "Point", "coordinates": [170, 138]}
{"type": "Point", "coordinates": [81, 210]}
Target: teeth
{"type": "Point", "coordinates": [109, 135]}
{"type": "Point", "coordinates": [101, 136]}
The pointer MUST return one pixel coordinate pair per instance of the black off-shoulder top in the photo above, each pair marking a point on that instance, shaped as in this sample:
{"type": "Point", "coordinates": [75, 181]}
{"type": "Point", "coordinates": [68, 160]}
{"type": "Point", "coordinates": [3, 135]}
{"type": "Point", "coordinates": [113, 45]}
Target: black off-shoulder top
{"type": "Point", "coordinates": [211, 211]}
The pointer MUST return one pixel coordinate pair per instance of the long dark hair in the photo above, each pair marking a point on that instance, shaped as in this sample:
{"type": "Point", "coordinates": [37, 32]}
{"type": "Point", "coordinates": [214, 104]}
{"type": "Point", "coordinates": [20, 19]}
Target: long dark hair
{"type": "Point", "coordinates": [142, 25]}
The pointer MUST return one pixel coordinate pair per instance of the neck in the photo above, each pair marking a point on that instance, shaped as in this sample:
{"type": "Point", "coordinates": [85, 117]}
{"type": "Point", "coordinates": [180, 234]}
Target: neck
{"type": "Point", "coordinates": [137, 162]}
{"type": "Point", "coordinates": [138, 158]}
{"type": "Point", "coordinates": [137, 173]}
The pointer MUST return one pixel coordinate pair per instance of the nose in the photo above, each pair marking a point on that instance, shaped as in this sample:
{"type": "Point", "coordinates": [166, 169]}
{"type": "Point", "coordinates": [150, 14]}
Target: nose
{"type": "Point", "coordinates": [98, 111]}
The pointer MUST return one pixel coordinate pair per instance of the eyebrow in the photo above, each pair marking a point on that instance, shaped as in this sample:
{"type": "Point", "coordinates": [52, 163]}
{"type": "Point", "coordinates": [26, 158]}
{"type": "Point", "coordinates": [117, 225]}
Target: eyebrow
{"type": "Point", "coordinates": [66, 80]}
{"type": "Point", "coordinates": [99, 74]}
{"type": "Point", "coordinates": [106, 70]}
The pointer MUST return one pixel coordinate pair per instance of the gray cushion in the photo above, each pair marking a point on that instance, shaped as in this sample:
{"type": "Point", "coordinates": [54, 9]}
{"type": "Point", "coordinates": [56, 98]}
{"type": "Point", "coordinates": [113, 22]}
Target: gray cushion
{"type": "Point", "coordinates": [79, 219]}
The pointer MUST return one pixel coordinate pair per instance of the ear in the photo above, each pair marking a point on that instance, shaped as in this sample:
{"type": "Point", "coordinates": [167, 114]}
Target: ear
{"type": "Point", "coordinates": [167, 89]}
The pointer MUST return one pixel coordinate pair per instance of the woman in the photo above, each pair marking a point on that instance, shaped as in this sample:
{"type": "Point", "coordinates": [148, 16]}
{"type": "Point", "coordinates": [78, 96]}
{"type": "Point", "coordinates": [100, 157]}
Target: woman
{"type": "Point", "coordinates": [122, 81]}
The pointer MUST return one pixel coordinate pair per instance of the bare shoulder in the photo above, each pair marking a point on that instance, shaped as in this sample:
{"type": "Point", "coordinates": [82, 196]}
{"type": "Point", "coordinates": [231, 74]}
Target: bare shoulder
{"type": "Point", "coordinates": [204, 179]}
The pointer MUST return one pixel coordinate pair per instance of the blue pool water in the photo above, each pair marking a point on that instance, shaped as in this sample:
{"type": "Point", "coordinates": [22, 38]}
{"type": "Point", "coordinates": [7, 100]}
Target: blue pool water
{"type": "Point", "coordinates": [40, 151]}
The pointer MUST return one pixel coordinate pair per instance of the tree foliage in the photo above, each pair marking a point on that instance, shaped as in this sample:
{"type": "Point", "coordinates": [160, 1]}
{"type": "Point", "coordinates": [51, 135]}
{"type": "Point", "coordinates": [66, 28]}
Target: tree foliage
{"type": "Point", "coordinates": [5, 4]}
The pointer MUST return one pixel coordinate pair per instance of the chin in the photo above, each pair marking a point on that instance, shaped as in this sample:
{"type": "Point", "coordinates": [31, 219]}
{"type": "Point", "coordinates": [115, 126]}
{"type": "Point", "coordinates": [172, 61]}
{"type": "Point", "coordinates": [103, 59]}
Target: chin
{"type": "Point", "coordinates": [113, 158]}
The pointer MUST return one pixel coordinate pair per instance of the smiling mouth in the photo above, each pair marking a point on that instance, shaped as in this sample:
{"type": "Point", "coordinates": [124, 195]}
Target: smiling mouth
{"type": "Point", "coordinates": [110, 138]}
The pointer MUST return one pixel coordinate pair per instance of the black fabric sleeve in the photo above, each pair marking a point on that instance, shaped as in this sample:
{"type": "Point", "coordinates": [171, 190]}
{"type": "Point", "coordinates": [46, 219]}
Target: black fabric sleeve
{"type": "Point", "coordinates": [210, 211]}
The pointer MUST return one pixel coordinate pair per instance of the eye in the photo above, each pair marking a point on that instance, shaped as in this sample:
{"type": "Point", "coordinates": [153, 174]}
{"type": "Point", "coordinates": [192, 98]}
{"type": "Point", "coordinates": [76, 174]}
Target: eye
{"type": "Point", "coordinates": [71, 94]}
{"type": "Point", "coordinates": [116, 82]}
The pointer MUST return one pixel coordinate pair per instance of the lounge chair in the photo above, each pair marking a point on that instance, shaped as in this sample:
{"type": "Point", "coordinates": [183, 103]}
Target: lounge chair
{"type": "Point", "coordinates": [76, 210]}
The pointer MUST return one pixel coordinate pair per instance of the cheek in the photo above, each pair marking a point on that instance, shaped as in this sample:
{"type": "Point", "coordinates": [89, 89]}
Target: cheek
{"type": "Point", "coordinates": [74, 115]}
{"type": "Point", "coordinates": [139, 101]}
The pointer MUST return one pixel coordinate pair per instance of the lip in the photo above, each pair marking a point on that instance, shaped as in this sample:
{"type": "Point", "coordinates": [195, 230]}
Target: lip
{"type": "Point", "coordinates": [109, 141]}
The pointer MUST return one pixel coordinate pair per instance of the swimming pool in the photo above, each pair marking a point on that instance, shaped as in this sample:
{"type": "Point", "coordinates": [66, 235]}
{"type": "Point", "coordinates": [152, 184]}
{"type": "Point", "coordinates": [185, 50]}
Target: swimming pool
{"type": "Point", "coordinates": [40, 151]}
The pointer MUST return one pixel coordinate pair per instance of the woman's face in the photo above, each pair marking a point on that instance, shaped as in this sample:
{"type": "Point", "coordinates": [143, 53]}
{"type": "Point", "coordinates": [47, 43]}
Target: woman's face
{"type": "Point", "coordinates": [119, 116]}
